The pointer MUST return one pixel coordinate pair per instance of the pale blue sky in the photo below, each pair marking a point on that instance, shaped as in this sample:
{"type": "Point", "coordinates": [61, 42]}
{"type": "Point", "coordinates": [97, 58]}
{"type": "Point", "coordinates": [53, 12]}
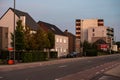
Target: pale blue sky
{"type": "Point", "coordinates": [63, 13]}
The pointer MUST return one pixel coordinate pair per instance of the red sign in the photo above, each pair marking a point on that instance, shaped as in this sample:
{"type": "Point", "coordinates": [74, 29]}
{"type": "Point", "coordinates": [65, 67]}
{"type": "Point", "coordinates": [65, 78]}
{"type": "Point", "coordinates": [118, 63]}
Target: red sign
{"type": "Point", "coordinates": [10, 49]}
{"type": "Point", "coordinates": [103, 46]}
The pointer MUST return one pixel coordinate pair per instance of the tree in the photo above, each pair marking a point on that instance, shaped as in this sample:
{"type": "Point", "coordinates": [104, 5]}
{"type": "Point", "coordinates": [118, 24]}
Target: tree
{"type": "Point", "coordinates": [30, 41]}
{"type": "Point", "coordinates": [40, 39]}
{"type": "Point", "coordinates": [19, 37]}
{"type": "Point", "coordinates": [118, 44]}
{"type": "Point", "coordinates": [89, 49]}
{"type": "Point", "coordinates": [51, 38]}
{"type": "Point", "coordinates": [51, 42]}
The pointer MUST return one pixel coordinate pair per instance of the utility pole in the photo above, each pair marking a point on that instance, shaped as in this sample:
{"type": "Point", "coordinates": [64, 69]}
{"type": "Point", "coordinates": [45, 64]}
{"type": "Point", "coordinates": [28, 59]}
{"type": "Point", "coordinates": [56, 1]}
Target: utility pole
{"type": "Point", "coordinates": [14, 31]}
{"type": "Point", "coordinates": [82, 38]}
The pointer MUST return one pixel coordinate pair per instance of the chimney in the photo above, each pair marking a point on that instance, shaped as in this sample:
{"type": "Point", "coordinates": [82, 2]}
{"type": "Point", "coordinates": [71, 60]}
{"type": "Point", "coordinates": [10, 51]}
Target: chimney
{"type": "Point", "coordinates": [23, 18]}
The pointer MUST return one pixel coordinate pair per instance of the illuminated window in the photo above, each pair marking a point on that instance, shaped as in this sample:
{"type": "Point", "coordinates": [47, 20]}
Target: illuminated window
{"type": "Point", "coordinates": [60, 40]}
{"type": "Point", "coordinates": [57, 40]}
{"type": "Point", "coordinates": [64, 40]}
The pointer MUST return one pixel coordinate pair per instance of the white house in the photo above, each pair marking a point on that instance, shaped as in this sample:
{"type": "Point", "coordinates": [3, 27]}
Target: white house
{"type": "Point", "coordinates": [7, 20]}
{"type": "Point", "coordinates": [61, 40]}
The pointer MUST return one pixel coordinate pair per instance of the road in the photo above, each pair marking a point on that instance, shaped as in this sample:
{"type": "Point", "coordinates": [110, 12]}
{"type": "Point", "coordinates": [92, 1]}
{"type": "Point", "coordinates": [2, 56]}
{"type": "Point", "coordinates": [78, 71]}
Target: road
{"type": "Point", "coordinates": [58, 71]}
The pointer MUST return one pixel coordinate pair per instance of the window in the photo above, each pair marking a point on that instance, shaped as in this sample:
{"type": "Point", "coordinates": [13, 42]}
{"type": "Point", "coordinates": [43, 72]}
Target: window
{"type": "Point", "coordinates": [93, 30]}
{"type": "Point", "coordinates": [77, 28]}
{"type": "Point", "coordinates": [64, 40]}
{"type": "Point", "coordinates": [77, 32]}
{"type": "Point", "coordinates": [64, 50]}
{"type": "Point", "coordinates": [57, 40]}
{"type": "Point", "coordinates": [78, 24]}
{"type": "Point", "coordinates": [60, 40]}
{"type": "Point", "coordinates": [56, 49]}
{"type": "Point", "coordinates": [78, 20]}
{"type": "Point", "coordinates": [100, 24]}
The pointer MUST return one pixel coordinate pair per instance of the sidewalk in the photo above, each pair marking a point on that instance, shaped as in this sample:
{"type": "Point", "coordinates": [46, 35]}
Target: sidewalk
{"type": "Point", "coordinates": [113, 74]}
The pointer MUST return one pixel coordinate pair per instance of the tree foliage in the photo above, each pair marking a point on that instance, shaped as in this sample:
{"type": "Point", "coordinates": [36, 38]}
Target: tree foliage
{"type": "Point", "coordinates": [25, 40]}
{"type": "Point", "coordinates": [118, 44]}
{"type": "Point", "coordinates": [19, 37]}
{"type": "Point", "coordinates": [51, 38]}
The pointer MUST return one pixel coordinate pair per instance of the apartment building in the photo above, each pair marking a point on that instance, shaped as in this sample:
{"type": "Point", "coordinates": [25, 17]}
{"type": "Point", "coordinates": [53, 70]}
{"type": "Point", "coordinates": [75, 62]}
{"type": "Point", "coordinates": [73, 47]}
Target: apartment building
{"type": "Point", "coordinates": [61, 40]}
{"type": "Point", "coordinates": [82, 27]}
{"type": "Point", "coordinates": [93, 30]}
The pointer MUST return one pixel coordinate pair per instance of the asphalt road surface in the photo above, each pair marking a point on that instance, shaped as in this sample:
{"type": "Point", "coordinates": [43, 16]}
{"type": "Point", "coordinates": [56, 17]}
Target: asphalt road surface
{"type": "Point", "coordinates": [56, 71]}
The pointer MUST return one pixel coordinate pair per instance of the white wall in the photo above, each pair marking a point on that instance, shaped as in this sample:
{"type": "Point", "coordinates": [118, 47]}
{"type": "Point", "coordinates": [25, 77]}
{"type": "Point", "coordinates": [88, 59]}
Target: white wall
{"type": "Point", "coordinates": [61, 45]}
{"type": "Point", "coordinates": [8, 21]}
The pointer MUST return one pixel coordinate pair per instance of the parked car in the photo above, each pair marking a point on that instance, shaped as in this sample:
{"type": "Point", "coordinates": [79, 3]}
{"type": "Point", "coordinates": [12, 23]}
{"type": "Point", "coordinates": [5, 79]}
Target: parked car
{"type": "Point", "coordinates": [72, 55]}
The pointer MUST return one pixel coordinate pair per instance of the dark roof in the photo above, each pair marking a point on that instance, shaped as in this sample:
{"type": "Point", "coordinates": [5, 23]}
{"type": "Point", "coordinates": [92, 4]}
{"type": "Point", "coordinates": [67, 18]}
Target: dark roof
{"type": "Point", "coordinates": [100, 41]}
{"type": "Point", "coordinates": [50, 27]}
{"type": "Point", "coordinates": [30, 22]}
{"type": "Point", "coordinates": [69, 33]}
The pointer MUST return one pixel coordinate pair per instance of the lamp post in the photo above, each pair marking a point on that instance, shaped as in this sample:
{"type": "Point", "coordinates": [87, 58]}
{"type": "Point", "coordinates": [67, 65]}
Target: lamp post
{"type": "Point", "coordinates": [14, 31]}
{"type": "Point", "coordinates": [82, 39]}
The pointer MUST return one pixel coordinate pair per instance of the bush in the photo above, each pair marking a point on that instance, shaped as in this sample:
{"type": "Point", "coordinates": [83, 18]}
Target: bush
{"type": "Point", "coordinates": [33, 56]}
{"type": "Point", "coordinates": [4, 54]}
{"type": "Point", "coordinates": [53, 54]}
{"type": "Point", "coordinates": [91, 52]}
{"type": "Point", "coordinates": [1, 62]}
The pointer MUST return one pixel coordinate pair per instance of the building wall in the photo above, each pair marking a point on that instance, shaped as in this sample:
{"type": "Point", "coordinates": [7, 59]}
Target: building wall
{"type": "Point", "coordinates": [61, 45]}
{"type": "Point", "coordinates": [82, 27]}
{"type": "Point", "coordinates": [8, 21]}
{"type": "Point", "coordinates": [110, 34]}
{"type": "Point", "coordinates": [77, 46]}
{"type": "Point", "coordinates": [96, 33]}
{"type": "Point", "coordinates": [71, 41]}
{"type": "Point", "coordinates": [3, 38]}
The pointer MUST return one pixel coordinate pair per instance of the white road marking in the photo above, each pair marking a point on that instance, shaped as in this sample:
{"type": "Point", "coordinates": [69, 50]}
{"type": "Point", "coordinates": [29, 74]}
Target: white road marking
{"type": "Point", "coordinates": [101, 65]}
{"type": "Point", "coordinates": [97, 72]}
{"type": "Point", "coordinates": [1, 77]}
{"type": "Point", "coordinates": [62, 66]}
{"type": "Point", "coordinates": [56, 79]}
{"type": "Point", "coordinates": [102, 70]}
{"type": "Point", "coordinates": [106, 68]}
{"type": "Point", "coordinates": [89, 61]}
{"type": "Point", "coordinates": [82, 79]}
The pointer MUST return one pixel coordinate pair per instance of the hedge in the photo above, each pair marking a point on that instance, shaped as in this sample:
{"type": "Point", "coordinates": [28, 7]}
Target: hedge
{"type": "Point", "coordinates": [53, 54]}
{"type": "Point", "coordinates": [91, 52]}
{"type": "Point", "coordinates": [33, 56]}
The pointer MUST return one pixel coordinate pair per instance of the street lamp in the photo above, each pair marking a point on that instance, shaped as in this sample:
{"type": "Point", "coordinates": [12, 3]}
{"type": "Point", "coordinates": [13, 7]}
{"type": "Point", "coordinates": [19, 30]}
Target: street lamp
{"type": "Point", "coordinates": [14, 31]}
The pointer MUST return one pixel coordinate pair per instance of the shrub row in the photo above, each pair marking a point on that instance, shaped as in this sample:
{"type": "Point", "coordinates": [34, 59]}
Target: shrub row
{"type": "Point", "coordinates": [26, 56]}
{"type": "Point", "coordinates": [53, 54]}
{"type": "Point", "coordinates": [91, 52]}
{"type": "Point", "coordinates": [32, 56]}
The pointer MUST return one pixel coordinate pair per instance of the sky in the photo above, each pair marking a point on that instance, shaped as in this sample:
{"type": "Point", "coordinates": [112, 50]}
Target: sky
{"type": "Point", "coordinates": [63, 13]}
